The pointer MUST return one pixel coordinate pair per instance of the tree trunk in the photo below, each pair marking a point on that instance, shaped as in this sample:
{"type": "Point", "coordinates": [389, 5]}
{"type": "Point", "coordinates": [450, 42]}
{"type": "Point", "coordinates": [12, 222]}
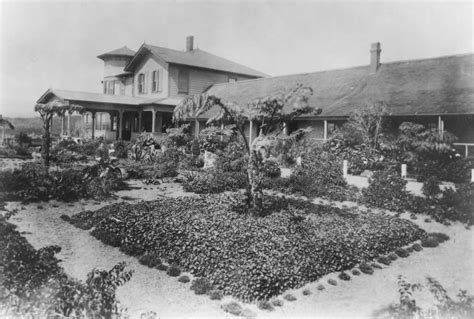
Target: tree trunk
{"type": "Point", "coordinates": [46, 141]}
{"type": "Point", "coordinates": [255, 187]}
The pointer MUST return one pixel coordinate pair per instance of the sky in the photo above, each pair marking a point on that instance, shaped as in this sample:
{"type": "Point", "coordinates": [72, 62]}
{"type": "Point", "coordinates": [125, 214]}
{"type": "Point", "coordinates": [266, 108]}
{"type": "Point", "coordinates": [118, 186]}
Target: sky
{"type": "Point", "coordinates": [54, 44]}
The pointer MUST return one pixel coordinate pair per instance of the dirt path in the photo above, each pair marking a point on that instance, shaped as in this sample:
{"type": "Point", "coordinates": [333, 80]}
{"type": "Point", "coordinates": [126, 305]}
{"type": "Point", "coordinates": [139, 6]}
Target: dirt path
{"type": "Point", "coordinates": [153, 290]}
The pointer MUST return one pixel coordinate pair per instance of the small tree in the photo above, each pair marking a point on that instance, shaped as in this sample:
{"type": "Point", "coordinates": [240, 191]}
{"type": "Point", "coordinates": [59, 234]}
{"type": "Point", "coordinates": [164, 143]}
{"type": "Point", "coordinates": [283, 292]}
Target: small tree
{"type": "Point", "coordinates": [367, 124]}
{"type": "Point", "coordinates": [47, 111]}
{"type": "Point", "coordinates": [270, 111]}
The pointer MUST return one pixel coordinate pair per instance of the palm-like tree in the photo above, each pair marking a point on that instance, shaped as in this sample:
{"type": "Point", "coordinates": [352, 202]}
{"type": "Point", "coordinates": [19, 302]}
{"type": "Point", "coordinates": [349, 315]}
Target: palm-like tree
{"type": "Point", "coordinates": [4, 123]}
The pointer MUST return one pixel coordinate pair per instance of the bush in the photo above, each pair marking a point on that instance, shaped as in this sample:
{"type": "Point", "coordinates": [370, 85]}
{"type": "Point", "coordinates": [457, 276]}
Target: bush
{"type": "Point", "coordinates": [162, 267]}
{"type": "Point", "coordinates": [431, 187]}
{"type": "Point", "coordinates": [121, 148]}
{"type": "Point", "coordinates": [332, 282]}
{"type": "Point", "coordinates": [215, 294]}
{"type": "Point", "coordinates": [306, 292]}
{"type": "Point", "coordinates": [393, 256]}
{"type": "Point", "coordinates": [201, 286]}
{"type": "Point", "coordinates": [206, 236]}
{"type": "Point", "coordinates": [271, 169]}
{"type": "Point", "coordinates": [184, 279]}
{"type": "Point", "coordinates": [417, 247]}
{"type": "Point", "coordinates": [402, 252]}
{"type": "Point", "coordinates": [214, 181]}
{"type": "Point", "coordinates": [150, 260]}
{"type": "Point", "coordinates": [386, 190]}
{"type": "Point", "coordinates": [233, 308]}
{"type": "Point", "coordinates": [344, 276]}
{"type": "Point", "coordinates": [366, 269]}
{"type": "Point", "coordinates": [429, 242]}
{"type": "Point", "coordinates": [265, 305]}
{"type": "Point", "coordinates": [277, 302]}
{"type": "Point", "coordinates": [289, 297]}
{"type": "Point", "coordinates": [321, 287]}
{"type": "Point", "coordinates": [173, 271]}
{"type": "Point", "coordinates": [384, 260]}
{"type": "Point", "coordinates": [355, 272]}
{"type": "Point", "coordinates": [441, 237]}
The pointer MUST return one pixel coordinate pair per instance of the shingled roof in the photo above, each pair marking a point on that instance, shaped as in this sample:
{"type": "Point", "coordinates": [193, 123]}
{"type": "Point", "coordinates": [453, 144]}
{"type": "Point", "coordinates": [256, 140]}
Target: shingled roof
{"type": "Point", "coordinates": [196, 58]}
{"type": "Point", "coordinates": [124, 51]}
{"type": "Point", "coordinates": [443, 85]}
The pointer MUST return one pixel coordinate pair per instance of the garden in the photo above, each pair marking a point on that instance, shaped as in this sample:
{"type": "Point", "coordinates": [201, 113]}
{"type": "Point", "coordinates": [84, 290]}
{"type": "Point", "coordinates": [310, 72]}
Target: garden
{"type": "Point", "coordinates": [241, 233]}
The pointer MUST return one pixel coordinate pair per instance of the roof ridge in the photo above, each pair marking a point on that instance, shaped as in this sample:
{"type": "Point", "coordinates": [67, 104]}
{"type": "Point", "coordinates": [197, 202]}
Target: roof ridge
{"type": "Point", "coordinates": [343, 69]}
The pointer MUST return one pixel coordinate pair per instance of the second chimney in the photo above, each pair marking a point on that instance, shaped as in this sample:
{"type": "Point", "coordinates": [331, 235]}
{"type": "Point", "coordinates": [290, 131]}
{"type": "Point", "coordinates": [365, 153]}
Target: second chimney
{"type": "Point", "coordinates": [375, 57]}
{"type": "Point", "coordinates": [189, 43]}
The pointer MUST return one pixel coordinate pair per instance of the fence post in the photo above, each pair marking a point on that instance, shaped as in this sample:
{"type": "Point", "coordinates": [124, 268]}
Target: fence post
{"type": "Point", "coordinates": [472, 175]}
{"type": "Point", "coordinates": [344, 168]}
{"type": "Point", "coordinates": [404, 170]}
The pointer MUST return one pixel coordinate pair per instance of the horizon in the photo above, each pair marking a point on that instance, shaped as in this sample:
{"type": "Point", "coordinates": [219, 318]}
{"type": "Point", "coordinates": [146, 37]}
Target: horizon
{"type": "Point", "coordinates": [287, 38]}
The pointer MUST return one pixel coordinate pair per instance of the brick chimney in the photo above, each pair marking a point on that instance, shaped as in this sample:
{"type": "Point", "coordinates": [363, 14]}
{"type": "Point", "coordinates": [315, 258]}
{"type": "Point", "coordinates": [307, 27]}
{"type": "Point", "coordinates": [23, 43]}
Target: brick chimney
{"type": "Point", "coordinates": [189, 43]}
{"type": "Point", "coordinates": [375, 57]}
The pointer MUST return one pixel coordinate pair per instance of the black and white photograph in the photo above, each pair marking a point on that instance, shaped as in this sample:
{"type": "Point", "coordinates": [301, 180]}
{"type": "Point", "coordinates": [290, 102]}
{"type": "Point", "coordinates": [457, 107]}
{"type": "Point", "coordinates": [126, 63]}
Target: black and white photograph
{"type": "Point", "coordinates": [268, 159]}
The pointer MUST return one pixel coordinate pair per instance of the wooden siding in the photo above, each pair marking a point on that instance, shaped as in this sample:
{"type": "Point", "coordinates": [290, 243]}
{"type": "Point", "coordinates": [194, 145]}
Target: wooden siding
{"type": "Point", "coordinates": [147, 66]}
{"type": "Point", "coordinates": [199, 79]}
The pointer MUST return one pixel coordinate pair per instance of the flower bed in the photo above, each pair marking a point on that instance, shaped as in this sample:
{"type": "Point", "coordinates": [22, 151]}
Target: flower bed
{"type": "Point", "coordinates": [248, 257]}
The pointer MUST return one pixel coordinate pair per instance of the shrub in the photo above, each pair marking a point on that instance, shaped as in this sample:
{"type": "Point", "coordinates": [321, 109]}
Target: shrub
{"type": "Point", "coordinates": [271, 169]}
{"type": "Point", "coordinates": [332, 282]}
{"type": "Point", "coordinates": [184, 279]}
{"type": "Point", "coordinates": [277, 302]}
{"type": "Point", "coordinates": [402, 253]}
{"type": "Point", "coordinates": [121, 148]}
{"type": "Point", "coordinates": [201, 286]}
{"type": "Point", "coordinates": [233, 308]}
{"type": "Point", "coordinates": [441, 237]}
{"type": "Point", "coordinates": [384, 260]}
{"type": "Point", "coordinates": [409, 249]}
{"type": "Point", "coordinates": [306, 292]}
{"type": "Point", "coordinates": [393, 256]}
{"type": "Point", "coordinates": [386, 190]}
{"type": "Point", "coordinates": [429, 242]}
{"type": "Point", "coordinates": [173, 271]}
{"type": "Point", "coordinates": [289, 297]}
{"type": "Point", "coordinates": [355, 272]}
{"type": "Point", "coordinates": [265, 305]}
{"type": "Point", "coordinates": [366, 269]}
{"type": "Point", "coordinates": [344, 276]}
{"type": "Point", "coordinates": [215, 294]}
{"type": "Point", "coordinates": [417, 247]}
{"type": "Point", "coordinates": [162, 267]}
{"type": "Point", "coordinates": [214, 181]}
{"type": "Point", "coordinates": [375, 265]}
{"type": "Point", "coordinates": [431, 187]}
{"type": "Point", "coordinates": [209, 237]}
{"type": "Point", "coordinates": [150, 260]}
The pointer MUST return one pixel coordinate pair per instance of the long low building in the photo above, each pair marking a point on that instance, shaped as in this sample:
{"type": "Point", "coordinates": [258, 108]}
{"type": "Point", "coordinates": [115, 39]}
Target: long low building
{"type": "Point", "coordinates": [141, 89]}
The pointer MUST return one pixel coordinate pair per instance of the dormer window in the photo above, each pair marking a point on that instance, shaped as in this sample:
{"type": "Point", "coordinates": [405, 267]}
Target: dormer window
{"type": "Point", "coordinates": [183, 82]}
{"type": "Point", "coordinates": [141, 83]}
{"type": "Point", "coordinates": [155, 84]}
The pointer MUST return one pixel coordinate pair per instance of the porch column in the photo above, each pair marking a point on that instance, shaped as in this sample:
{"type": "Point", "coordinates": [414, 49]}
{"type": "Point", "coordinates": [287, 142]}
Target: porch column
{"type": "Point", "coordinates": [440, 126]}
{"type": "Point", "coordinates": [120, 120]}
{"type": "Point", "coordinates": [93, 124]}
{"type": "Point", "coordinates": [196, 128]}
{"type": "Point", "coordinates": [140, 121]}
{"type": "Point", "coordinates": [69, 124]}
{"type": "Point", "coordinates": [325, 136]}
{"type": "Point", "coordinates": [285, 128]}
{"type": "Point", "coordinates": [153, 120]}
{"type": "Point", "coordinates": [62, 126]}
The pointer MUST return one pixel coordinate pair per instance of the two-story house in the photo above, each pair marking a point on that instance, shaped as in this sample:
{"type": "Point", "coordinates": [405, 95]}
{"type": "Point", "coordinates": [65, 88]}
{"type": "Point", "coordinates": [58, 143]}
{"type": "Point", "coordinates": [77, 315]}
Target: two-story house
{"type": "Point", "coordinates": [141, 89]}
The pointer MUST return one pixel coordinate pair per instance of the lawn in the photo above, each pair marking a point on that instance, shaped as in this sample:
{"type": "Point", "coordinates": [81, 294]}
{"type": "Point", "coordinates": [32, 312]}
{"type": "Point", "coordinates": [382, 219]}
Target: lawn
{"type": "Point", "coordinates": [248, 257]}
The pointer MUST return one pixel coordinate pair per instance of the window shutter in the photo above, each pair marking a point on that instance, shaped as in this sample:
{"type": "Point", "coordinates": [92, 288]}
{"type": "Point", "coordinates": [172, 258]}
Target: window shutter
{"type": "Point", "coordinates": [160, 80]}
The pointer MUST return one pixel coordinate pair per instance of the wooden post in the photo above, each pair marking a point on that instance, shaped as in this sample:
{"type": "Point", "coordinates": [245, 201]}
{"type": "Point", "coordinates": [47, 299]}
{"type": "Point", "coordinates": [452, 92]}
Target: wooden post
{"type": "Point", "coordinates": [140, 121]}
{"type": "Point", "coordinates": [472, 175]}
{"type": "Point", "coordinates": [440, 126]}
{"type": "Point", "coordinates": [196, 128]}
{"type": "Point", "coordinates": [120, 124]}
{"type": "Point", "coordinates": [93, 124]}
{"type": "Point", "coordinates": [69, 124]}
{"type": "Point", "coordinates": [325, 136]}
{"type": "Point", "coordinates": [153, 120]}
{"type": "Point", "coordinates": [404, 170]}
{"type": "Point", "coordinates": [344, 168]}
{"type": "Point", "coordinates": [62, 126]}
{"type": "Point", "coordinates": [250, 132]}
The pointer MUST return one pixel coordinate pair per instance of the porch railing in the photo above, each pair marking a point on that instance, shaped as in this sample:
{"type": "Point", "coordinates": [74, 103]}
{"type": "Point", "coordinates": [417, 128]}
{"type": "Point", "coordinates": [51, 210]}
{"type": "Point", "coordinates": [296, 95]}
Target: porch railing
{"type": "Point", "coordinates": [466, 149]}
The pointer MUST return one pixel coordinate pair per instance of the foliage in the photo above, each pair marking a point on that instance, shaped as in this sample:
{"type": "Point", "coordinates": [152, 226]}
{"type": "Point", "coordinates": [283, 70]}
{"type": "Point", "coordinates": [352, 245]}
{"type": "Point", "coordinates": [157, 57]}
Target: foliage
{"type": "Point", "coordinates": [214, 139]}
{"type": "Point", "coordinates": [184, 279]}
{"type": "Point", "coordinates": [33, 284]}
{"type": "Point", "coordinates": [344, 276]}
{"type": "Point", "coordinates": [445, 306]}
{"type": "Point", "coordinates": [332, 282]}
{"type": "Point", "coordinates": [386, 190]}
{"type": "Point", "coordinates": [271, 169]}
{"type": "Point", "coordinates": [265, 305]}
{"type": "Point", "coordinates": [307, 292]}
{"type": "Point", "coordinates": [213, 181]}
{"type": "Point", "coordinates": [121, 148]}
{"type": "Point", "coordinates": [178, 136]}
{"type": "Point", "coordinates": [250, 257]}
{"type": "Point", "coordinates": [145, 149]}
{"type": "Point", "coordinates": [215, 294]}
{"type": "Point", "coordinates": [33, 183]}
{"type": "Point", "coordinates": [289, 297]}
{"type": "Point", "coordinates": [233, 308]}
{"type": "Point", "coordinates": [402, 252]}
{"type": "Point", "coordinates": [431, 187]}
{"type": "Point", "coordinates": [149, 259]}
{"type": "Point", "coordinates": [366, 268]}
{"type": "Point", "coordinates": [201, 286]}
{"type": "Point", "coordinates": [173, 271]}
{"type": "Point", "coordinates": [23, 139]}
{"type": "Point", "coordinates": [270, 111]}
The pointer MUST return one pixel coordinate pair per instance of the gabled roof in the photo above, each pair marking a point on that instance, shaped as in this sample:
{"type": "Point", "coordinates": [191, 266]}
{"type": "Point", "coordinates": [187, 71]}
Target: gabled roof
{"type": "Point", "coordinates": [124, 51]}
{"type": "Point", "coordinates": [443, 85]}
{"type": "Point", "coordinates": [77, 96]}
{"type": "Point", "coordinates": [196, 58]}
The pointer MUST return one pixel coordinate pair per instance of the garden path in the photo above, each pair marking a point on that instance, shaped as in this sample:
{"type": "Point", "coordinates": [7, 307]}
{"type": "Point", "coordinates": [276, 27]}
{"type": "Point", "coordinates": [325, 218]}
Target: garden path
{"type": "Point", "coordinates": [152, 290]}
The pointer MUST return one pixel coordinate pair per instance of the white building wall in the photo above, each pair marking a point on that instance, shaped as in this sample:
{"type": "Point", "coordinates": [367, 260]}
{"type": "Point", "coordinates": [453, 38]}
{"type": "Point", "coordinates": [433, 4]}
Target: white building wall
{"type": "Point", "coordinates": [148, 65]}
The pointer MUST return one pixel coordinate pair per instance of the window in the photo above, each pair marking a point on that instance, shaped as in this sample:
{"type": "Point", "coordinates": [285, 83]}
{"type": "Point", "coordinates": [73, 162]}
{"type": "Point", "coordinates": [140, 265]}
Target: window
{"type": "Point", "coordinates": [141, 83]}
{"type": "Point", "coordinates": [110, 87]}
{"type": "Point", "coordinates": [232, 79]}
{"type": "Point", "coordinates": [183, 82]}
{"type": "Point", "coordinates": [155, 84]}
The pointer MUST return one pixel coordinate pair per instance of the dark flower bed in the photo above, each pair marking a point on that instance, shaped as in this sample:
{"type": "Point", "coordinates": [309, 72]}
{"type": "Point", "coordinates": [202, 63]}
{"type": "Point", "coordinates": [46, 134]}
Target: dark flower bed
{"type": "Point", "coordinates": [248, 257]}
